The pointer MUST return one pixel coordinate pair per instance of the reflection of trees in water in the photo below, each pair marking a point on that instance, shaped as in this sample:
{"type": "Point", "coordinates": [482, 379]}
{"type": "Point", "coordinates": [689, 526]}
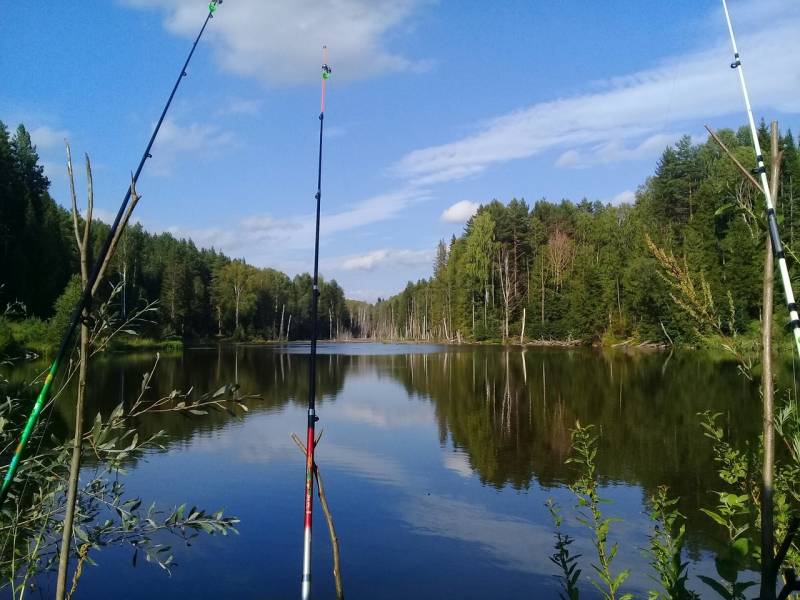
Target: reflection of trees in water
{"type": "Point", "coordinates": [277, 378]}
{"type": "Point", "coordinates": [511, 412]}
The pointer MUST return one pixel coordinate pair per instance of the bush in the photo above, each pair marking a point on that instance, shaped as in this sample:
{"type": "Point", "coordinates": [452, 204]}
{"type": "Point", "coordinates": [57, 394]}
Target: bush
{"type": "Point", "coordinates": [64, 306]}
{"type": "Point", "coordinates": [7, 342]}
{"type": "Point", "coordinates": [33, 334]}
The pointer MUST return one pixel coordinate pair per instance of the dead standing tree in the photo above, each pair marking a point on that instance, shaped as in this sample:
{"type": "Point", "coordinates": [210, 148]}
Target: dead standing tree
{"type": "Point", "coordinates": [83, 242]}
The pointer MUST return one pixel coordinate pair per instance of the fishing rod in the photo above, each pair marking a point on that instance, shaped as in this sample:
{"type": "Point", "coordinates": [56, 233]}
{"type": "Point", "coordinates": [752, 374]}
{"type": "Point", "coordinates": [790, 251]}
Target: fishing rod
{"type": "Point", "coordinates": [772, 221]}
{"type": "Point", "coordinates": [312, 367]}
{"type": "Point", "coordinates": [85, 300]}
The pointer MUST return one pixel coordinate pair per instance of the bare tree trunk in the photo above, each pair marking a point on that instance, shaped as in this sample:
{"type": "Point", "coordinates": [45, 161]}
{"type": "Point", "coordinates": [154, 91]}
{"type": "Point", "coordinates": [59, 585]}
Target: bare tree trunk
{"type": "Point", "coordinates": [75, 462]}
{"type": "Point", "coordinates": [288, 326]}
{"type": "Point", "coordinates": [505, 288]}
{"type": "Point", "coordinates": [473, 316]}
{"type": "Point", "coordinates": [237, 292]}
{"type": "Point", "coordinates": [768, 572]}
{"type": "Point", "coordinates": [522, 332]}
{"type": "Point", "coordinates": [280, 333]}
{"type": "Point", "coordinates": [542, 279]}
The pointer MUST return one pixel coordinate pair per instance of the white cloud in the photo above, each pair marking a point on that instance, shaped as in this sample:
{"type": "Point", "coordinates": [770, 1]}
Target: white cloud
{"type": "Point", "coordinates": [369, 295]}
{"type": "Point", "coordinates": [633, 116]}
{"type": "Point", "coordinates": [626, 197]}
{"type": "Point", "coordinates": [279, 42]}
{"type": "Point", "coordinates": [383, 257]}
{"type": "Point", "coordinates": [617, 151]}
{"type": "Point", "coordinates": [48, 138]}
{"type": "Point", "coordinates": [458, 462]}
{"type": "Point", "coordinates": [174, 139]}
{"type": "Point", "coordinates": [259, 234]}
{"type": "Point", "coordinates": [240, 106]}
{"type": "Point", "coordinates": [460, 212]}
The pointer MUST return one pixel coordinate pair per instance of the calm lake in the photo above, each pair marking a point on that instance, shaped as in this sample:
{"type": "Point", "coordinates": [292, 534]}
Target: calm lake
{"type": "Point", "coordinates": [437, 463]}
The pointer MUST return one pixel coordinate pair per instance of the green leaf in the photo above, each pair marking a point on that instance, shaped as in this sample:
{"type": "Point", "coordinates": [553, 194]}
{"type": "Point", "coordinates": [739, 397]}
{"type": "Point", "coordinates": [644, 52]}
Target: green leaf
{"type": "Point", "coordinates": [728, 568]}
{"type": "Point", "coordinates": [719, 519]}
{"type": "Point", "coordinates": [716, 586]}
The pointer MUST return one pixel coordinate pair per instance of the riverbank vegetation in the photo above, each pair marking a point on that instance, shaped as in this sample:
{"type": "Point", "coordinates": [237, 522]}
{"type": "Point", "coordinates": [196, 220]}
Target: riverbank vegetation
{"type": "Point", "coordinates": [560, 272]}
{"type": "Point", "coordinates": [200, 293]}
{"type": "Point", "coordinates": [585, 271]}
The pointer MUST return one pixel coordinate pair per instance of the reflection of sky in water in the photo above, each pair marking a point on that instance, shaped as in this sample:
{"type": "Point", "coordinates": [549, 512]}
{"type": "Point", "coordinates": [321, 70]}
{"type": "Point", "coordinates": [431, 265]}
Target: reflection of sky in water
{"type": "Point", "coordinates": [413, 518]}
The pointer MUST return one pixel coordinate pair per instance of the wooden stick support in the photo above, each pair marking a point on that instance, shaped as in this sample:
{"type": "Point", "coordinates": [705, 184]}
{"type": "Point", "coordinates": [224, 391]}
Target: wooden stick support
{"type": "Point", "coordinates": [337, 570]}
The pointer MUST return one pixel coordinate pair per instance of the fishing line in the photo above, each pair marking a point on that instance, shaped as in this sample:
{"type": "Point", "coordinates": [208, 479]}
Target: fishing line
{"type": "Point", "coordinates": [761, 170]}
{"type": "Point", "coordinates": [85, 301]}
{"type": "Point", "coordinates": [312, 367]}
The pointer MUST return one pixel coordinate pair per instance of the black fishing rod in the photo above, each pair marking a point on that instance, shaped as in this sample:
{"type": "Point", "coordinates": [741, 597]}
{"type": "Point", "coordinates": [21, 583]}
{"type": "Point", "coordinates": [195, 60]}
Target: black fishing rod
{"type": "Point", "coordinates": [312, 367]}
{"type": "Point", "coordinates": [85, 301]}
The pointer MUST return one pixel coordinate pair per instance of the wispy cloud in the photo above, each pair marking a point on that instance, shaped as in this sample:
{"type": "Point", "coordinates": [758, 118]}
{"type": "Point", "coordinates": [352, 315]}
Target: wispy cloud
{"type": "Point", "coordinates": [260, 235]}
{"type": "Point", "coordinates": [460, 212]}
{"type": "Point", "coordinates": [617, 151]}
{"type": "Point", "coordinates": [48, 138]}
{"type": "Point", "coordinates": [175, 139]}
{"type": "Point", "coordinates": [633, 116]}
{"type": "Point", "coordinates": [239, 107]}
{"type": "Point", "coordinates": [384, 257]}
{"type": "Point", "coordinates": [279, 42]}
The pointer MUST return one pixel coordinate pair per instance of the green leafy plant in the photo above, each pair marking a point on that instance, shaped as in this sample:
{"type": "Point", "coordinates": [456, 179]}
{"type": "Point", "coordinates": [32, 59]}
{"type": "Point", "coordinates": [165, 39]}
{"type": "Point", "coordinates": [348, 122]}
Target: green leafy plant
{"type": "Point", "coordinates": [563, 558]}
{"type": "Point", "coordinates": [106, 515]}
{"type": "Point", "coordinates": [666, 548]}
{"type": "Point", "coordinates": [586, 490]}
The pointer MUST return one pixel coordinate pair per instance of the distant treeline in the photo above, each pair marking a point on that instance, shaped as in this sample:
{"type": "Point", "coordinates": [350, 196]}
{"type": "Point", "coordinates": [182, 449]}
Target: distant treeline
{"type": "Point", "coordinates": [200, 292]}
{"type": "Point", "coordinates": [584, 271]}
{"type": "Point", "coordinates": [555, 271]}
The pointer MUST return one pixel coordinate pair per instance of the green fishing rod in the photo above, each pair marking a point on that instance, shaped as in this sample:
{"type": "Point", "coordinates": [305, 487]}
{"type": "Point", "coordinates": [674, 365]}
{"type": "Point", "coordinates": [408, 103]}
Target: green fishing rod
{"type": "Point", "coordinates": [85, 300]}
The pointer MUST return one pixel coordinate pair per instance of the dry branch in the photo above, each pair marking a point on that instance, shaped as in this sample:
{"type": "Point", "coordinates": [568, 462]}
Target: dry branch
{"type": "Point", "coordinates": [337, 573]}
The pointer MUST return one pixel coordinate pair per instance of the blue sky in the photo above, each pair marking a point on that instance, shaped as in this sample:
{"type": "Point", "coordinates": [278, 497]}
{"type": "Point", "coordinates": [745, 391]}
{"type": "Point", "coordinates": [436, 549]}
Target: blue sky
{"type": "Point", "coordinates": [434, 107]}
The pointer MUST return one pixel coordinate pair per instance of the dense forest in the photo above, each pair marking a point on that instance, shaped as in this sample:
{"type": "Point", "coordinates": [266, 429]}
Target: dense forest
{"type": "Point", "coordinates": [553, 271]}
{"type": "Point", "coordinates": [585, 271]}
{"type": "Point", "coordinates": [199, 292]}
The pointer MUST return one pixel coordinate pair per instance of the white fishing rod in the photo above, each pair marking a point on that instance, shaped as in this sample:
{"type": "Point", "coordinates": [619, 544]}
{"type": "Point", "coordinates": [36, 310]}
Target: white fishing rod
{"type": "Point", "coordinates": [761, 170]}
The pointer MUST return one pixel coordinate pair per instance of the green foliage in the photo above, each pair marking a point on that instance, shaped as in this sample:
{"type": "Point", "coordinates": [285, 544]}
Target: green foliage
{"type": "Point", "coordinates": [64, 307]}
{"type": "Point", "coordinates": [586, 271]}
{"type": "Point", "coordinates": [738, 506]}
{"type": "Point", "coordinates": [590, 515]}
{"type": "Point", "coordinates": [106, 514]}
{"type": "Point", "coordinates": [194, 287]}
{"type": "Point", "coordinates": [36, 257]}
{"type": "Point", "coordinates": [6, 337]}
{"type": "Point", "coordinates": [32, 334]}
{"type": "Point", "coordinates": [573, 270]}
{"type": "Point", "coordinates": [563, 558]}
{"type": "Point", "coordinates": [666, 549]}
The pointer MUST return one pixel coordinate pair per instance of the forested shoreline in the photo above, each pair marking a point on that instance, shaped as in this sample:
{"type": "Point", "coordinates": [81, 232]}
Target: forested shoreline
{"type": "Point", "coordinates": [588, 271]}
{"type": "Point", "coordinates": [562, 271]}
{"type": "Point", "coordinates": [199, 293]}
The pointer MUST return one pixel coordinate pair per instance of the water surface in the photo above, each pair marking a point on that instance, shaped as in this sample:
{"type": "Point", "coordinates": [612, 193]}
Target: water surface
{"type": "Point", "coordinates": [437, 463]}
